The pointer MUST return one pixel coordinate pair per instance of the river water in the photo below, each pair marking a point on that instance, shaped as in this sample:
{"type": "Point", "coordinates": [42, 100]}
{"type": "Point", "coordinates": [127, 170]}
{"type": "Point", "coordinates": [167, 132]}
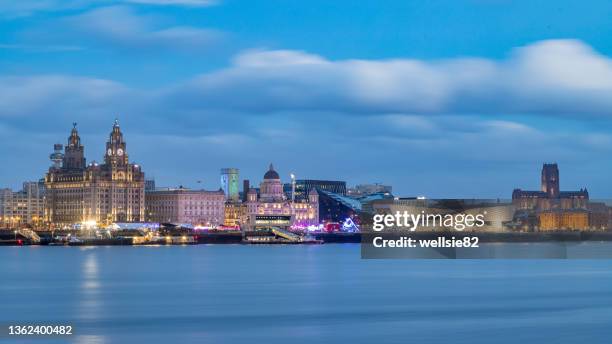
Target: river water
{"type": "Point", "coordinates": [300, 294]}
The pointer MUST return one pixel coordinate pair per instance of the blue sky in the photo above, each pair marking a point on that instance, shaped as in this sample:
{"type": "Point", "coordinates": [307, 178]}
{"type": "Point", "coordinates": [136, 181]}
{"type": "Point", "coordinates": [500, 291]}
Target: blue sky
{"type": "Point", "coordinates": [438, 98]}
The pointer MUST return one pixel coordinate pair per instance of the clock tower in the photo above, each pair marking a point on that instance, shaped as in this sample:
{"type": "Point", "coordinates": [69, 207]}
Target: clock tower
{"type": "Point", "coordinates": [116, 154]}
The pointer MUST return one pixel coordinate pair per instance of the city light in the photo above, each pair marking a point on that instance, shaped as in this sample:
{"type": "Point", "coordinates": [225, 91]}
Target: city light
{"type": "Point", "coordinates": [89, 224]}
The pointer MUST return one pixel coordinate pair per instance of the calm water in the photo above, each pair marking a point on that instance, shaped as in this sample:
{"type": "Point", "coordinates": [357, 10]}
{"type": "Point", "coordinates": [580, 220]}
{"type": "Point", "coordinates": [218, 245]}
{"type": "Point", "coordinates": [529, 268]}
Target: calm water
{"type": "Point", "coordinates": [301, 294]}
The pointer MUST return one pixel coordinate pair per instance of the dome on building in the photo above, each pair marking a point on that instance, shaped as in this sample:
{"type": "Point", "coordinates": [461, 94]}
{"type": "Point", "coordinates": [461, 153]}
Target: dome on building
{"type": "Point", "coordinates": [271, 174]}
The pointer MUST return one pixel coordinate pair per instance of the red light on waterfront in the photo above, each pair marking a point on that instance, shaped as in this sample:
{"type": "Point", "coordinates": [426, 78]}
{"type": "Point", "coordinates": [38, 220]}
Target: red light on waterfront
{"type": "Point", "coordinates": [20, 242]}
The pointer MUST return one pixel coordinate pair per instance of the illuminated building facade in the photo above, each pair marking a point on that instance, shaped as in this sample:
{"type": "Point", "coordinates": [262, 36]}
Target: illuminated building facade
{"type": "Point", "coordinates": [337, 208]}
{"type": "Point", "coordinates": [550, 196]}
{"type": "Point", "coordinates": [25, 207]}
{"type": "Point", "coordinates": [271, 205]}
{"type": "Point", "coordinates": [235, 214]}
{"type": "Point", "coordinates": [185, 206]}
{"type": "Point", "coordinates": [229, 183]}
{"type": "Point", "coordinates": [102, 193]}
{"type": "Point", "coordinates": [559, 219]}
{"type": "Point", "coordinates": [559, 210]}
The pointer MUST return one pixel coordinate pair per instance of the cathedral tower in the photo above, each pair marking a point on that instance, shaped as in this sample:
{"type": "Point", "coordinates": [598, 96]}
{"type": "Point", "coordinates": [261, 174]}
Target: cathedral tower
{"type": "Point", "coordinates": [550, 180]}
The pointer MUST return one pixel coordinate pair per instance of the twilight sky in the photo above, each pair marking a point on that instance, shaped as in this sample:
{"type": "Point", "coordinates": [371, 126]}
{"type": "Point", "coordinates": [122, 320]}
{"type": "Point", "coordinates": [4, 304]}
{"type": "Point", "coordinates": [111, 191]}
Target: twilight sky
{"type": "Point", "coordinates": [438, 98]}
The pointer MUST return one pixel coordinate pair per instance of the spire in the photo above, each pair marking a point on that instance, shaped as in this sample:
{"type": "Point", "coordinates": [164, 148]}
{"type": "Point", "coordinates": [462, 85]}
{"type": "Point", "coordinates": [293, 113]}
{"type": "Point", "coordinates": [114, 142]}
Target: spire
{"type": "Point", "coordinates": [271, 167]}
{"type": "Point", "coordinates": [116, 124]}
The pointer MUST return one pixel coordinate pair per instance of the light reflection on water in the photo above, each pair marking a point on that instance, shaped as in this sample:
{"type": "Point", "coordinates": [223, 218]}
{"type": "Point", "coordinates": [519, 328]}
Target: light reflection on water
{"type": "Point", "coordinates": [301, 294]}
{"type": "Point", "coordinates": [89, 304]}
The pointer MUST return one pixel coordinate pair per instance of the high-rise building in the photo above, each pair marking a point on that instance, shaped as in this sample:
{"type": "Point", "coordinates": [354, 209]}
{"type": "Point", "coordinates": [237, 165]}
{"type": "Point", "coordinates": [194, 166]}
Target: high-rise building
{"type": "Point", "coordinates": [229, 183]}
{"type": "Point", "coordinates": [246, 186]}
{"type": "Point", "coordinates": [96, 193]}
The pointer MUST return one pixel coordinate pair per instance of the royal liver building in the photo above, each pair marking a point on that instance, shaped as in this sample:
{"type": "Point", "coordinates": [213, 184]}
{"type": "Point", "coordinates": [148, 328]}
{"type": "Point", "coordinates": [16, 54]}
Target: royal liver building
{"type": "Point", "coordinates": [104, 193]}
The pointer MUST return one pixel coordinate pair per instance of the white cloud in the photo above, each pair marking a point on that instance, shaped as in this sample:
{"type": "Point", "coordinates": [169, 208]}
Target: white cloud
{"type": "Point", "coordinates": [58, 95]}
{"type": "Point", "coordinates": [276, 58]}
{"type": "Point", "coordinates": [555, 78]}
{"type": "Point", "coordinates": [558, 77]}
{"type": "Point", "coordinates": [20, 8]}
{"type": "Point", "coordinates": [123, 28]}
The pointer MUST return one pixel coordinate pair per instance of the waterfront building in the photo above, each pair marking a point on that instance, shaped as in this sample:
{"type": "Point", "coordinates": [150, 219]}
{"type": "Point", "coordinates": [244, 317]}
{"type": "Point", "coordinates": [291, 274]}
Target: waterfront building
{"type": "Point", "coordinates": [186, 206]}
{"type": "Point", "coordinates": [302, 187]}
{"type": "Point", "coordinates": [271, 207]}
{"type": "Point", "coordinates": [24, 207]}
{"type": "Point", "coordinates": [337, 208]}
{"type": "Point", "coordinates": [229, 183]}
{"type": "Point", "coordinates": [5, 198]}
{"type": "Point", "coordinates": [563, 219]}
{"type": "Point", "coordinates": [549, 196]}
{"type": "Point", "coordinates": [559, 210]}
{"type": "Point", "coordinates": [112, 191]}
{"type": "Point", "coordinates": [600, 216]}
{"type": "Point", "coordinates": [236, 214]}
{"type": "Point", "coordinates": [362, 190]}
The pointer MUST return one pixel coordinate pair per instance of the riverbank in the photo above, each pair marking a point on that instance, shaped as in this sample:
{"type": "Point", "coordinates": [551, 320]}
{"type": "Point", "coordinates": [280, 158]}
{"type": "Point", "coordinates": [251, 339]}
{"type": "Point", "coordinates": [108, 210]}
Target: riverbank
{"type": "Point", "coordinates": [10, 238]}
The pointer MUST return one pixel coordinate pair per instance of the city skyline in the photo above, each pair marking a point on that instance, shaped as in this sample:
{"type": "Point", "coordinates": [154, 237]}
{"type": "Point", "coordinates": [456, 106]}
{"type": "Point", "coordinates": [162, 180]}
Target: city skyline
{"type": "Point", "coordinates": [386, 97]}
{"type": "Point", "coordinates": [214, 184]}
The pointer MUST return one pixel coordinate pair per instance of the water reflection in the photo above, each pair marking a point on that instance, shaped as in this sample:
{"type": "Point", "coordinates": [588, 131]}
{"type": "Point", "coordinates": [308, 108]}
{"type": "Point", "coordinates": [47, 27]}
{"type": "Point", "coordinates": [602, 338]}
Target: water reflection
{"type": "Point", "coordinates": [90, 305]}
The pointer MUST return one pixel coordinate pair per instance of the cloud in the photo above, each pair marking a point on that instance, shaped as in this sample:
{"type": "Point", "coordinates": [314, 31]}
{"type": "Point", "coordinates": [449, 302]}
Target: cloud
{"type": "Point", "coordinates": [363, 120]}
{"type": "Point", "coordinates": [553, 78]}
{"type": "Point", "coordinates": [22, 8]}
{"type": "Point", "coordinates": [122, 27]}
{"type": "Point", "coordinates": [45, 103]}
{"type": "Point", "coordinates": [557, 77]}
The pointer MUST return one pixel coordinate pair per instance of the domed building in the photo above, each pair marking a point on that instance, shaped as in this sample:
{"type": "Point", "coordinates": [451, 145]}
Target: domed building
{"type": "Point", "coordinates": [271, 208]}
{"type": "Point", "coordinates": [271, 189]}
